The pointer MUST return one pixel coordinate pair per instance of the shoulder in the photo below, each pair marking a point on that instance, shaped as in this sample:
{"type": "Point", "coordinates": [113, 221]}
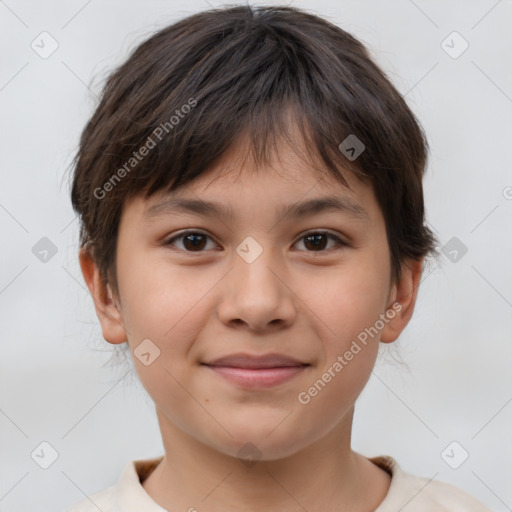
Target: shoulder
{"type": "Point", "coordinates": [127, 495]}
{"type": "Point", "coordinates": [411, 493]}
{"type": "Point", "coordinates": [102, 500]}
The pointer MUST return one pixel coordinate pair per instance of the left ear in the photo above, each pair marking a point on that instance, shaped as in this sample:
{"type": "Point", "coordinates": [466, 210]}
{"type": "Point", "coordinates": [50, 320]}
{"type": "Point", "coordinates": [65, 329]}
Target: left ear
{"type": "Point", "coordinates": [402, 300]}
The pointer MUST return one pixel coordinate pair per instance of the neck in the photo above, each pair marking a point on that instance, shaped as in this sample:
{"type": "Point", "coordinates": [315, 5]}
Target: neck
{"type": "Point", "coordinates": [326, 475]}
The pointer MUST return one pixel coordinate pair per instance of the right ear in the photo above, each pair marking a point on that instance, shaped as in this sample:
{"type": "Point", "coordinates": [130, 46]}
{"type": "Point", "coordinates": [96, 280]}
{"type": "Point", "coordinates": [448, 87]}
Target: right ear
{"type": "Point", "coordinates": [108, 312]}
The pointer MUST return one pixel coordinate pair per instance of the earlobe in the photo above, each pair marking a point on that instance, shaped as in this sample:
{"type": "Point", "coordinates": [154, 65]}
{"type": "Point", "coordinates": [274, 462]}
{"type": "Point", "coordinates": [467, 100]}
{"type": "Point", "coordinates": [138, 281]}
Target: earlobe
{"type": "Point", "coordinates": [109, 313]}
{"type": "Point", "coordinates": [402, 301]}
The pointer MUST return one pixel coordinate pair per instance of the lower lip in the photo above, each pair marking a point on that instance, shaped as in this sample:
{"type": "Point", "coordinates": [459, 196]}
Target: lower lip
{"type": "Point", "coordinates": [258, 378]}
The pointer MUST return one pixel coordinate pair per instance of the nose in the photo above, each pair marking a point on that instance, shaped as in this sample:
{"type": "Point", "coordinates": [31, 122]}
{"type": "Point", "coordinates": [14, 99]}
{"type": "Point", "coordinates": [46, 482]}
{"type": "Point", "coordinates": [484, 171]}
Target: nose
{"type": "Point", "coordinates": [256, 296]}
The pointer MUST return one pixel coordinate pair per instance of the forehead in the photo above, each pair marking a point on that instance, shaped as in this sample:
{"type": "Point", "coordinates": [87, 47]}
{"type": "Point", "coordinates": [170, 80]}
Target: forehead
{"type": "Point", "coordinates": [289, 185]}
{"type": "Point", "coordinates": [287, 178]}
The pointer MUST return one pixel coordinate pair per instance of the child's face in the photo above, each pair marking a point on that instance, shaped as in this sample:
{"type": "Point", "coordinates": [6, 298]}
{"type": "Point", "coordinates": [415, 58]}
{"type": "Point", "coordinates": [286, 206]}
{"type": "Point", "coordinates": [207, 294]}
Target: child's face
{"type": "Point", "coordinates": [294, 299]}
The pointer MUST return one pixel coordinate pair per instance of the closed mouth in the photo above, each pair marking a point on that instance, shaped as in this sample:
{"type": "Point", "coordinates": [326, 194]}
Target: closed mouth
{"type": "Point", "coordinates": [251, 362]}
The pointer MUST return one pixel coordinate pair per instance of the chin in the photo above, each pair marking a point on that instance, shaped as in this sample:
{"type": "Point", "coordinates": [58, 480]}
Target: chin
{"type": "Point", "coordinates": [261, 440]}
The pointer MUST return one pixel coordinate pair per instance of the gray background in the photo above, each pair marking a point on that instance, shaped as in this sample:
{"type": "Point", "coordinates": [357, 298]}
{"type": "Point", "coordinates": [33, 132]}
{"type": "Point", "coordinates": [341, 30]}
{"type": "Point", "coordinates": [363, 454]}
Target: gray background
{"type": "Point", "coordinates": [55, 385]}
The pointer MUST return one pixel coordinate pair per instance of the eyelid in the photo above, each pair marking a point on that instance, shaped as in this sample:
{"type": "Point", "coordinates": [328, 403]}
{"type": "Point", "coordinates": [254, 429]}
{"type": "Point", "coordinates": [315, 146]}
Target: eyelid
{"type": "Point", "coordinates": [180, 234]}
{"type": "Point", "coordinates": [341, 242]}
{"type": "Point", "coordinates": [320, 231]}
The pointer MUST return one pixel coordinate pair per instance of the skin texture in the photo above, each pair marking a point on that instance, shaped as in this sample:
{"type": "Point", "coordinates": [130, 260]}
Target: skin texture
{"type": "Point", "coordinates": [295, 300]}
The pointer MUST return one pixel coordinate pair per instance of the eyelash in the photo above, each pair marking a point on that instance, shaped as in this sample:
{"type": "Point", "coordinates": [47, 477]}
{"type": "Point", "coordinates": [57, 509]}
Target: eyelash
{"type": "Point", "coordinates": [183, 234]}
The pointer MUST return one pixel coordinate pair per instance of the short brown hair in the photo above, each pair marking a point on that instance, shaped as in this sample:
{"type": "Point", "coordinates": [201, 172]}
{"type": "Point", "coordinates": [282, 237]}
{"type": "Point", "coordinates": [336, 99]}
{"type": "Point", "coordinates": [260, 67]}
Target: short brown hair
{"type": "Point", "coordinates": [226, 72]}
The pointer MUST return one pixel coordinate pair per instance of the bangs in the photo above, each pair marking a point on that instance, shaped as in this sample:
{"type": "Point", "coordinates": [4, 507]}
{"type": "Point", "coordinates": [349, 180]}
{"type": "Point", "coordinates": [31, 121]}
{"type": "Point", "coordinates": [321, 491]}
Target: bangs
{"type": "Point", "coordinates": [257, 94]}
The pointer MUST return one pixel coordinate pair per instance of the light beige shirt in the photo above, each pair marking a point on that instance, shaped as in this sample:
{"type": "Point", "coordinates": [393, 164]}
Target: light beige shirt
{"type": "Point", "coordinates": [407, 493]}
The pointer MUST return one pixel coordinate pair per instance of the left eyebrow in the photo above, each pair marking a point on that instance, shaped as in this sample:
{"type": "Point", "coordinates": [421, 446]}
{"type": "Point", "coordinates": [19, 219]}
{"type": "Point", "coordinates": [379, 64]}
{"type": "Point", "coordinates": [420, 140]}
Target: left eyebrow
{"type": "Point", "coordinates": [309, 207]}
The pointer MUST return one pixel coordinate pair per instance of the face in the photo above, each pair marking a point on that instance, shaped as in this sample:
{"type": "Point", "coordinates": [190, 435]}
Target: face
{"type": "Point", "coordinates": [250, 328]}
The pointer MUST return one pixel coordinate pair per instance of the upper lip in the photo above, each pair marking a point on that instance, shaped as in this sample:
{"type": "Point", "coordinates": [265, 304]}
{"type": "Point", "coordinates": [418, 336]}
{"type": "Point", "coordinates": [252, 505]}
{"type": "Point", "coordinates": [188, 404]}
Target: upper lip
{"type": "Point", "coordinates": [254, 361]}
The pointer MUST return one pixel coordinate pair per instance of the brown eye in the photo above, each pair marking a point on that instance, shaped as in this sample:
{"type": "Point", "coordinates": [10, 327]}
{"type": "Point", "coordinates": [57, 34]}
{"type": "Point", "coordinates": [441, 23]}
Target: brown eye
{"type": "Point", "coordinates": [317, 242]}
{"type": "Point", "coordinates": [192, 241]}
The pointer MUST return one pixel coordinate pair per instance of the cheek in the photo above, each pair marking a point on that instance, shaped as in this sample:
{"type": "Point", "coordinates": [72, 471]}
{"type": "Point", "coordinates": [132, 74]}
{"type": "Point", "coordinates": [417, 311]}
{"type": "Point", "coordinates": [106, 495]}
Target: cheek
{"type": "Point", "coordinates": [167, 308]}
{"type": "Point", "coordinates": [343, 305]}
{"type": "Point", "coordinates": [160, 302]}
{"type": "Point", "coordinates": [345, 301]}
